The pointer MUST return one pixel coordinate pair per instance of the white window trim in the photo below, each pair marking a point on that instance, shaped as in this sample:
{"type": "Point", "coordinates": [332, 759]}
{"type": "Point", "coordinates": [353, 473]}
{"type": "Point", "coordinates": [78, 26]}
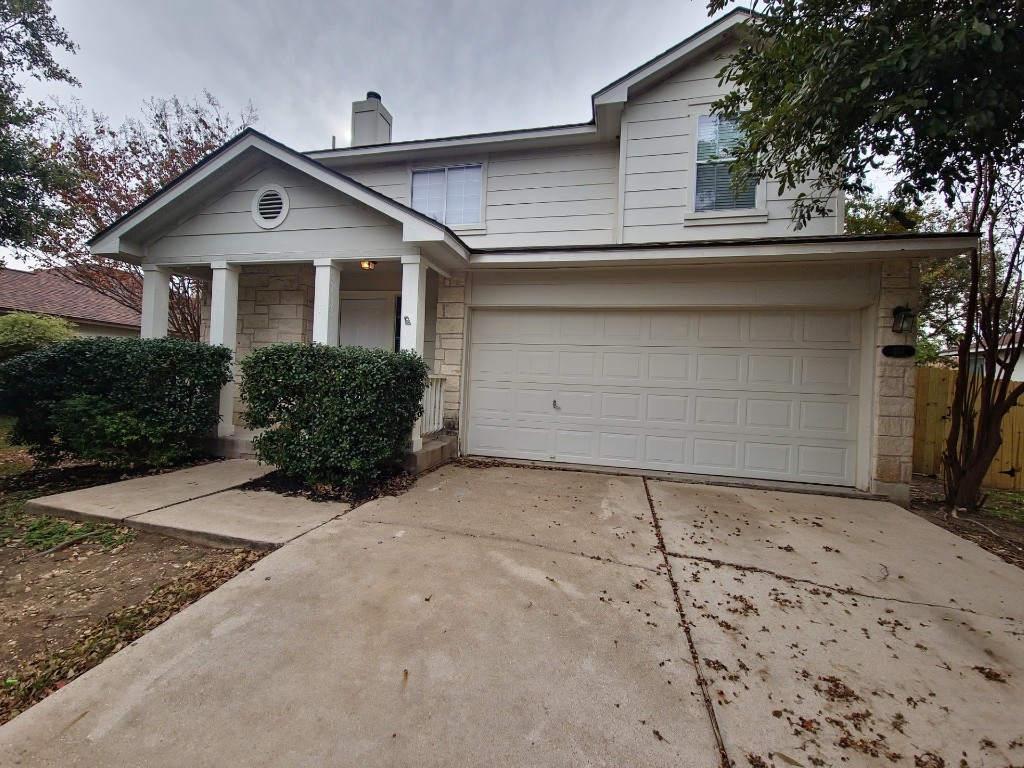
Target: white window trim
{"type": "Point", "coordinates": [693, 217]}
{"type": "Point", "coordinates": [472, 229]}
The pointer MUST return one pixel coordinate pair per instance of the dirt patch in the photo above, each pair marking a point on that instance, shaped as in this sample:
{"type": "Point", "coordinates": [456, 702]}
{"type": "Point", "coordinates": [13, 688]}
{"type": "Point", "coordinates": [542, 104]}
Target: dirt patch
{"type": "Point", "coordinates": [72, 593]}
{"type": "Point", "coordinates": [1002, 536]}
{"type": "Point", "coordinates": [46, 602]}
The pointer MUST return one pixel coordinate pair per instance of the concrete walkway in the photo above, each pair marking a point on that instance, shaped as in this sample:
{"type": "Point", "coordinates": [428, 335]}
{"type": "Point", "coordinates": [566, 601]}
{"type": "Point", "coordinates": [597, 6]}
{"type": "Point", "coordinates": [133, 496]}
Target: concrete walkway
{"type": "Point", "coordinates": [200, 504]}
{"type": "Point", "coordinates": [501, 616]}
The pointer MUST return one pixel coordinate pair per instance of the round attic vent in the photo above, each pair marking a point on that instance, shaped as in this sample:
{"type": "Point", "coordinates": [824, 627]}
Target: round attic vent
{"type": "Point", "coordinates": [270, 206]}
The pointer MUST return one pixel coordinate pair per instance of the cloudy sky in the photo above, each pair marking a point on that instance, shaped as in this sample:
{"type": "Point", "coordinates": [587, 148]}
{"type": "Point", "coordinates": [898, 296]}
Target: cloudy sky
{"type": "Point", "coordinates": [443, 67]}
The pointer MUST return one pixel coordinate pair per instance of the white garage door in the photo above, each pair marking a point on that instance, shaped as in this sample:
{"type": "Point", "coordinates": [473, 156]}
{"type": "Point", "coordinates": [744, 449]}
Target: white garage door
{"type": "Point", "coordinates": [748, 394]}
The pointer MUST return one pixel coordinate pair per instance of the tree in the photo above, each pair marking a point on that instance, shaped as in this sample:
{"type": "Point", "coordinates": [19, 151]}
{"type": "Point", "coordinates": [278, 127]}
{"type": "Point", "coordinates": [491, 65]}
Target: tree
{"type": "Point", "coordinates": [29, 172]}
{"type": "Point", "coordinates": [826, 90]}
{"type": "Point", "coordinates": [120, 168]}
{"type": "Point", "coordinates": [21, 332]}
{"type": "Point", "coordinates": [945, 280]}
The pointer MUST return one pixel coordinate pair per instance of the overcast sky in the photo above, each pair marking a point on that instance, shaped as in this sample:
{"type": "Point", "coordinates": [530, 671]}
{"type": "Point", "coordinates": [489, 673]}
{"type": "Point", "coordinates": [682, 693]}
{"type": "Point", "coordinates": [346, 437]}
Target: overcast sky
{"type": "Point", "coordinates": [443, 67]}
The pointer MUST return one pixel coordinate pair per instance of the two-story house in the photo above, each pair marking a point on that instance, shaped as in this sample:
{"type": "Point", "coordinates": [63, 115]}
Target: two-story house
{"type": "Point", "coordinates": [589, 294]}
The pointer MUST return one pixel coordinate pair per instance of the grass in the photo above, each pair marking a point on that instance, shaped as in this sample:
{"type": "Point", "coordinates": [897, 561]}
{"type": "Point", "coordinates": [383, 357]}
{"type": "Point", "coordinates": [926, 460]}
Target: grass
{"type": "Point", "coordinates": [39, 532]}
{"type": "Point", "coordinates": [1006, 505]}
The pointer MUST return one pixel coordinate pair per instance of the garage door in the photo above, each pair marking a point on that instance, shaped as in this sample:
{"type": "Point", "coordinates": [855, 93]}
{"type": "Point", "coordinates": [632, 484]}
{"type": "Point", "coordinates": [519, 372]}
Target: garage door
{"type": "Point", "coordinates": [748, 394]}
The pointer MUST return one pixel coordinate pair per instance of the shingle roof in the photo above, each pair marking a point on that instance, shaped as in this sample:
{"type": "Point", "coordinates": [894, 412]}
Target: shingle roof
{"type": "Point", "coordinates": [46, 292]}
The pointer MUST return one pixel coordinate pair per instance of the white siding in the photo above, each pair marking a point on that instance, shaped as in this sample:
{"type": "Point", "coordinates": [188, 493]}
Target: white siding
{"type": "Point", "coordinates": [320, 219]}
{"type": "Point", "coordinates": [539, 197]}
{"type": "Point", "coordinates": [826, 285]}
{"type": "Point", "coordinates": [657, 131]}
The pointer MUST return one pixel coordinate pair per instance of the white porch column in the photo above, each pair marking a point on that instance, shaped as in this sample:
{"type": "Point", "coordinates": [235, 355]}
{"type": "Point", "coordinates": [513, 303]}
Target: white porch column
{"type": "Point", "coordinates": [413, 320]}
{"type": "Point", "coordinates": [224, 330]}
{"type": "Point", "coordinates": [156, 297]}
{"type": "Point", "coordinates": [414, 303]}
{"type": "Point", "coordinates": [327, 302]}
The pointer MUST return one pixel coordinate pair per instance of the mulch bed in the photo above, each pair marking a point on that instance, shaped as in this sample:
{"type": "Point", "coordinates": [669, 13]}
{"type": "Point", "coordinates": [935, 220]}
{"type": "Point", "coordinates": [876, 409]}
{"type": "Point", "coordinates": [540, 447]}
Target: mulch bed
{"type": "Point", "coordinates": [1003, 538]}
{"type": "Point", "coordinates": [394, 484]}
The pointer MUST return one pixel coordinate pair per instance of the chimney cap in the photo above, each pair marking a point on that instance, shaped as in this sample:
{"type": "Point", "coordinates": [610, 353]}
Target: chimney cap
{"type": "Point", "coordinates": [373, 95]}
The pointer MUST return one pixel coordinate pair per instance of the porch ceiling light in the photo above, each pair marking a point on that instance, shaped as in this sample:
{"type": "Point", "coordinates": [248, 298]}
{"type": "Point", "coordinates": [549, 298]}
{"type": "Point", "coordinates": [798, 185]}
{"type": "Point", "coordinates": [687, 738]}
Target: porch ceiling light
{"type": "Point", "coordinates": [367, 264]}
{"type": "Point", "coordinates": [903, 320]}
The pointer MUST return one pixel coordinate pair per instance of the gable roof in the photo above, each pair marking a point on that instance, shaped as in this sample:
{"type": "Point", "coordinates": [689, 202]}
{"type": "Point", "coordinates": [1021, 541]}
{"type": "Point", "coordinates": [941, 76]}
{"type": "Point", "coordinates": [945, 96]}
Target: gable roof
{"type": "Point", "coordinates": [49, 293]}
{"type": "Point", "coordinates": [696, 45]}
{"type": "Point", "coordinates": [250, 142]}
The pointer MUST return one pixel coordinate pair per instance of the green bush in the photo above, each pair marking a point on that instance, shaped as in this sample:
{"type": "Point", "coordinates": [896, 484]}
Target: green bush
{"type": "Point", "coordinates": [22, 332]}
{"type": "Point", "coordinates": [339, 416]}
{"type": "Point", "coordinates": [124, 402]}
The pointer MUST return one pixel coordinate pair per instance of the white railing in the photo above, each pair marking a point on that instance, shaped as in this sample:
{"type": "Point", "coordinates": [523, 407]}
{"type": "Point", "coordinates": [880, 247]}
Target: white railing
{"type": "Point", "coordinates": [433, 406]}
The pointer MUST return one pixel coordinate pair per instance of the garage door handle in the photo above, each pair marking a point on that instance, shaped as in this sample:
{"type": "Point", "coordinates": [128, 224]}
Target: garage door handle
{"type": "Point", "coordinates": [554, 404]}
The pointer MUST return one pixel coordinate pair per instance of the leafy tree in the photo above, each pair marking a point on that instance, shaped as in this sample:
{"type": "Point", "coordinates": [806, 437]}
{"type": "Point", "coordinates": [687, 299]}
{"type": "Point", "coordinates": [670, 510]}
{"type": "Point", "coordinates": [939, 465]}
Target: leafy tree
{"type": "Point", "coordinates": [29, 172]}
{"type": "Point", "coordinates": [945, 280]}
{"type": "Point", "coordinates": [21, 332]}
{"type": "Point", "coordinates": [825, 90]}
{"type": "Point", "coordinates": [120, 168]}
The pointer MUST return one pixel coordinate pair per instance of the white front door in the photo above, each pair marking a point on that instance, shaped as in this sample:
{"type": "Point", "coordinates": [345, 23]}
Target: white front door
{"type": "Point", "coordinates": [368, 323]}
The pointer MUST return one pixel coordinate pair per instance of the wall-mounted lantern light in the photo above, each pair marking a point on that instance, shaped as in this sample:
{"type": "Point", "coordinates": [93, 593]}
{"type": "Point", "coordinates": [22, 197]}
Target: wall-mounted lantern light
{"type": "Point", "coordinates": [903, 320]}
{"type": "Point", "coordinates": [367, 264]}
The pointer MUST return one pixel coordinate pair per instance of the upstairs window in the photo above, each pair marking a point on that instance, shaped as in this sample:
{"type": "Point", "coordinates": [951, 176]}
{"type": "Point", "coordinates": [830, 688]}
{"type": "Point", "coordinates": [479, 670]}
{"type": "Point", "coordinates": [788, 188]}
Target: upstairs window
{"type": "Point", "coordinates": [717, 138]}
{"type": "Point", "coordinates": [451, 195]}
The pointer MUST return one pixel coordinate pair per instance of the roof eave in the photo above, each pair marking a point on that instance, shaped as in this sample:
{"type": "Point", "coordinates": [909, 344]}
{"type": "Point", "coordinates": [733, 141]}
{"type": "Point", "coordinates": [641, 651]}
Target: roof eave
{"type": "Point", "coordinates": [769, 250]}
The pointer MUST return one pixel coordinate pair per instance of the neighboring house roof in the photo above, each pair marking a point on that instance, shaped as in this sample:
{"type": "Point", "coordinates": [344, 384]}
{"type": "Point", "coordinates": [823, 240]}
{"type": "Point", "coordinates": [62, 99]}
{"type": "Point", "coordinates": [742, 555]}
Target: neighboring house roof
{"type": "Point", "coordinates": [48, 293]}
{"type": "Point", "coordinates": [1005, 341]}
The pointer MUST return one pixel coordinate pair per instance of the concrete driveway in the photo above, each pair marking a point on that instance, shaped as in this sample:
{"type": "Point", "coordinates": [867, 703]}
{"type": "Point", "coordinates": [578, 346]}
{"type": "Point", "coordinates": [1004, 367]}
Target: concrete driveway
{"type": "Point", "coordinates": [507, 616]}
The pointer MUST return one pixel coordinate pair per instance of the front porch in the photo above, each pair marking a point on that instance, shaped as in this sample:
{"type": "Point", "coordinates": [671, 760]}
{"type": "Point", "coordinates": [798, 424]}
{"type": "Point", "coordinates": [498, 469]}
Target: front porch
{"type": "Point", "coordinates": [395, 304]}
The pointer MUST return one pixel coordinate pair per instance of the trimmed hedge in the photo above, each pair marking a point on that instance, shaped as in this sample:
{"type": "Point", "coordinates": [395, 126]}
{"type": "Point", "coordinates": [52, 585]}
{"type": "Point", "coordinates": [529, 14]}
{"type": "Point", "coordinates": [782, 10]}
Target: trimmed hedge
{"type": "Point", "coordinates": [124, 402]}
{"type": "Point", "coordinates": [339, 416]}
{"type": "Point", "coordinates": [21, 332]}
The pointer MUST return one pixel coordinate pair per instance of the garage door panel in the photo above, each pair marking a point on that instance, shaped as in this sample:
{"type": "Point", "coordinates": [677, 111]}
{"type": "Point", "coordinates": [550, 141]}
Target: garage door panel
{"type": "Point", "coordinates": [808, 329]}
{"type": "Point", "coordinates": [719, 369]}
{"type": "Point", "coordinates": [670, 368]}
{"type": "Point", "coordinates": [749, 394]}
{"type": "Point", "coordinates": [575, 443]}
{"type": "Point", "coordinates": [786, 371]}
{"type": "Point", "coordinates": [622, 405]}
{"type": "Point", "coordinates": [831, 327]}
{"type": "Point", "coordinates": [621, 367]}
{"type": "Point", "coordinates": [717, 454]}
{"type": "Point", "coordinates": [665, 452]}
{"type": "Point", "coordinates": [768, 457]}
{"type": "Point", "coordinates": [673, 328]}
{"type": "Point", "coordinates": [772, 370]}
{"type": "Point", "coordinates": [717, 411]}
{"type": "Point", "coordinates": [531, 402]}
{"type": "Point", "coordinates": [835, 371]}
{"type": "Point", "coordinates": [668, 410]}
{"type": "Point", "coordinates": [775, 326]}
{"type": "Point", "coordinates": [718, 327]}
{"type": "Point", "coordinates": [769, 414]}
{"type": "Point", "coordinates": [758, 414]}
{"type": "Point", "coordinates": [535, 362]}
{"type": "Point", "coordinates": [824, 462]}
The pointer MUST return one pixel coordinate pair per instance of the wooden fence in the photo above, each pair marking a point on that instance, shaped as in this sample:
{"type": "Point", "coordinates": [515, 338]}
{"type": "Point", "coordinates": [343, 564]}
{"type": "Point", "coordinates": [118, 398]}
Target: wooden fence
{"type": "Point", "coordinates": [931, 426]}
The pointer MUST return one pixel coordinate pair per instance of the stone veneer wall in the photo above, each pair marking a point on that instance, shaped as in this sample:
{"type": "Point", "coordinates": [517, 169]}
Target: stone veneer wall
{"type": "Point", "coordinates": [275, 305]}
{"type": "Point", "coordinates": [893, 446]}
{"type": "Point", "coordinates": [451, 322]}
